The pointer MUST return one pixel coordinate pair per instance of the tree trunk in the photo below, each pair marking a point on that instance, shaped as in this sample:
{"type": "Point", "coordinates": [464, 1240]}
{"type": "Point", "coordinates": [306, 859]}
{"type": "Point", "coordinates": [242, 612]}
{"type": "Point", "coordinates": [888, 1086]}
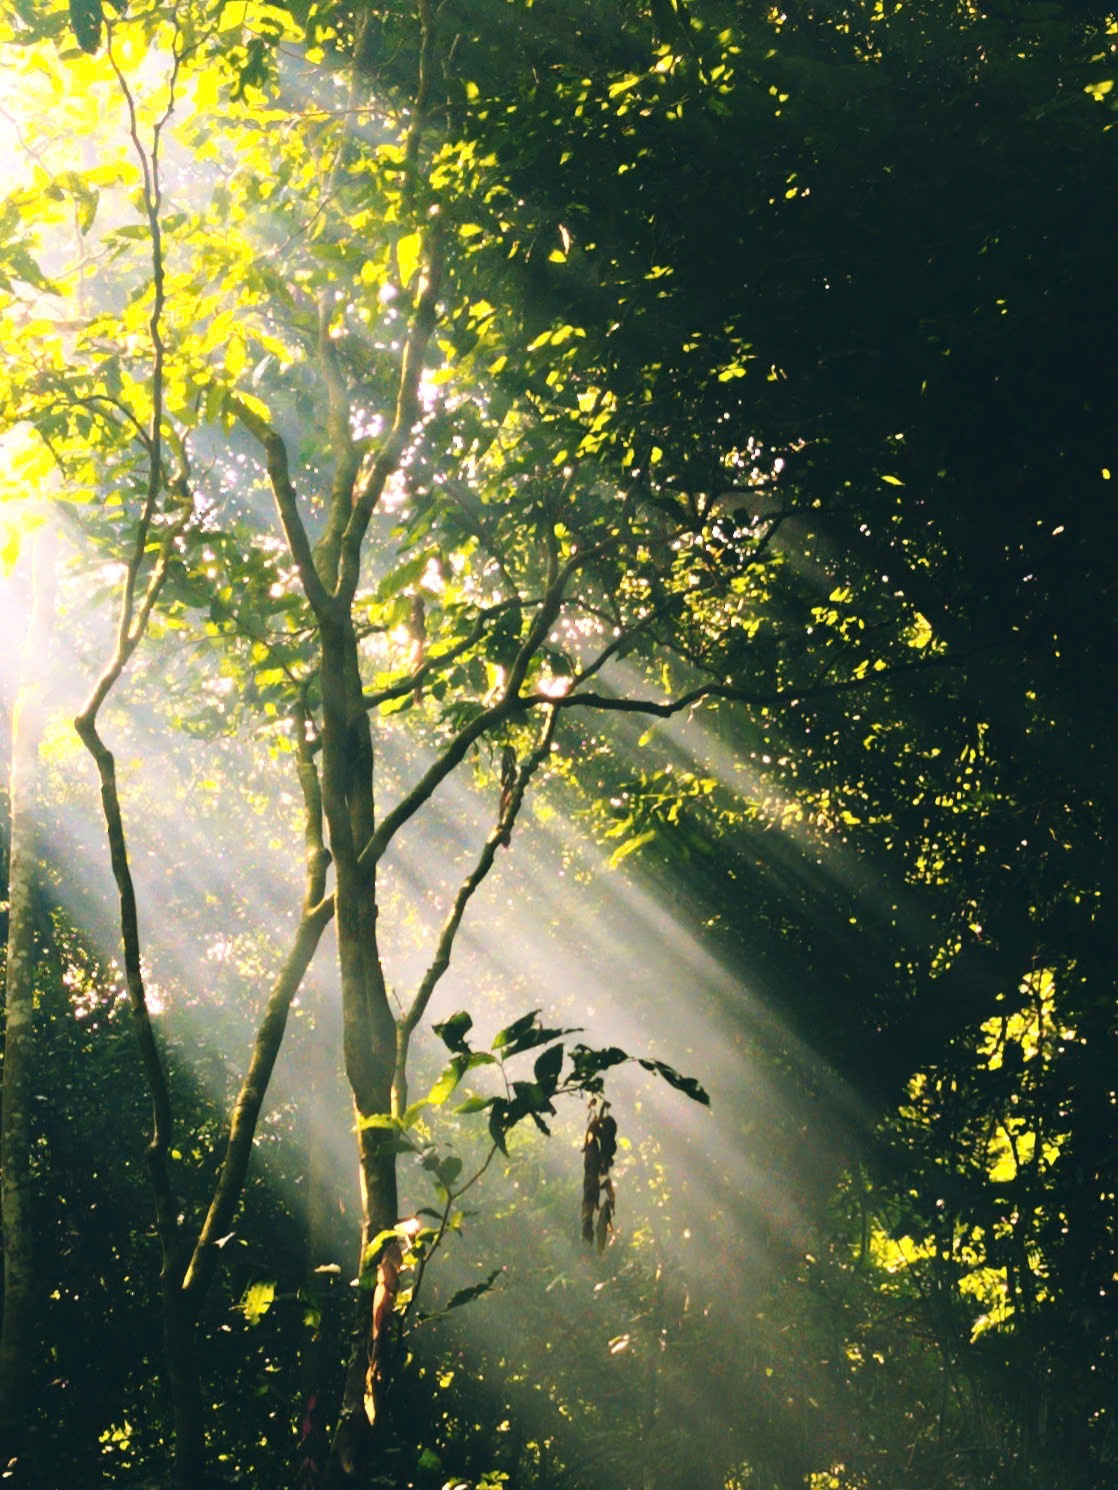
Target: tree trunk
{"type": "Point", "coordinates": [363, 1423]}
{"type": "Point", "coordinates": [178, 1315]}
{"type": "Point", "coordinates": [369, 1039]}
{"type": "Point", "coordinates": [318, 1374]}
{"type": "Point", "coordinates": [17, 1364]}
{"type": "Point", "coordinates": [186, 1392]}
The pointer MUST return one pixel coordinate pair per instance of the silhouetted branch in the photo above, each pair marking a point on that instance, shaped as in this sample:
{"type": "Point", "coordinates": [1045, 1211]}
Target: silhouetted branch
{"type": "Point", "coordinates": [664, 709]}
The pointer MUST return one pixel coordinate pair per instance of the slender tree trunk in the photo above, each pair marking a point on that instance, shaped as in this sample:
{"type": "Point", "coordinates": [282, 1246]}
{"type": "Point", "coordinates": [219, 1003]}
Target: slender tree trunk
{"type": "Point", "coordinates": [369, 1037]}
{"type": "Point", "coordinates": [363, 1423]}
{"type": "Point", "coordinates": [178, 1315]}
{"type": "Point", "coordinates": [17, 1363]}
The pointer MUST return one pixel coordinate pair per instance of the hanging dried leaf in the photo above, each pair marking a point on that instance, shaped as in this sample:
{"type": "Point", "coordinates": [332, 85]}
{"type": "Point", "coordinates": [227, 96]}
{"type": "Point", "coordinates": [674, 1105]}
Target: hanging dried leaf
{"type": "Point", "coordinates": [605, 1216]}
{"type": "Point", "coordinates": [599, 1150]}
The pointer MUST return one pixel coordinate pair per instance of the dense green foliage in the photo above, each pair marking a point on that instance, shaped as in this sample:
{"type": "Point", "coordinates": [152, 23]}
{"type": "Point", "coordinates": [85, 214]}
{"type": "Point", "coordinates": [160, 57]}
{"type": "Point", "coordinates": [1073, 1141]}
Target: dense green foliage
{"type": "Point", "coordinates": [682, 429]}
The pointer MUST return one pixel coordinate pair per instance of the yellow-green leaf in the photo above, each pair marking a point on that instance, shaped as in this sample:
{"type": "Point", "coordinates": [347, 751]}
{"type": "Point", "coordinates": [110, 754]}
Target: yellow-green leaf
{"type": "Point", "coordinates": [407, 256]}
{"type": "Point", "coordinates": [257, 1300]}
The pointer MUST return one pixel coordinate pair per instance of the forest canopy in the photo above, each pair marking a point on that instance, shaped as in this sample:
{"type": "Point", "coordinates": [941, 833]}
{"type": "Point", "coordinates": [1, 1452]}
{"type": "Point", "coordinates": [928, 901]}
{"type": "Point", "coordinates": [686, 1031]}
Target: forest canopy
{"type": "Point", "coordinates": [557, 574]}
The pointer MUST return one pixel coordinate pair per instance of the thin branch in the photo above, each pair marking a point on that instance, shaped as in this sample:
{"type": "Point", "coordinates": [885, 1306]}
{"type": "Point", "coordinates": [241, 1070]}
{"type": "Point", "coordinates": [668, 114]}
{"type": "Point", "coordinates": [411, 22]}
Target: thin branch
{"type": "Point", "coordinates": [131, 630]}
{"type": "Point", "coordinates": [508, 704]}
{"type": "Point", "coordinates": [92, 401]}
{"type": "Point", "coordinates": [152, 199]}
{"type": "Point", "coordinates": [422, 328]}
{"type": "Point", "coordinates": [436, 773]}
{"type": "Point", "coordinates": [452, 1198]}
{"type": "Point", "coordinates": [427, 37]}
{"type": "Point", "coordinates": [250, 1099]}
{"type": "Point", "coordinates": [279, 475]}
{"type": "Point", "coordinates": [339, 430]}
{"type": "Point", "coordinates": [500, 834]}
{"type": "Point", "coordinates": [131, 626]}
{"type": "Point", "coordinates": [318, 910]}
{"type": "Point", "coordinates": [433, 664]}
{"type": "Point", "coordinates": [619, 643]}
{"type": "Point", "coordinates": [547, 614]}
{"type": "Point", "coordinates": [728, 691]}
{"type": "Point", "coordinates": [155, 1075]}
{"type": "Point", "coordinates": [404, 419]}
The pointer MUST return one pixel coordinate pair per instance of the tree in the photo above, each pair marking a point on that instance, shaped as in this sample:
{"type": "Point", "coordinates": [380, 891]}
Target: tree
{"type": "Point", "coordinates": [329, 705]}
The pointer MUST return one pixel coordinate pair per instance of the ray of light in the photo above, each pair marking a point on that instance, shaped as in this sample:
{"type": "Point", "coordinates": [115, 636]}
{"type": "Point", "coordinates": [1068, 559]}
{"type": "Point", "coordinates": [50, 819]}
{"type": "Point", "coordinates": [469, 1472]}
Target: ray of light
{"type": "Point", "coordinates": [550, 929]}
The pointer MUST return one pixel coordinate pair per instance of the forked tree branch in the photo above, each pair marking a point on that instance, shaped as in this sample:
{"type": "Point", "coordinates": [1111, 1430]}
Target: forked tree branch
{"type": "Point", "coordinates": [406, 415]}
{"type": "Point", "coordinates": [279, 476]}
{"type": "Point", "coordinates": [508, 704]}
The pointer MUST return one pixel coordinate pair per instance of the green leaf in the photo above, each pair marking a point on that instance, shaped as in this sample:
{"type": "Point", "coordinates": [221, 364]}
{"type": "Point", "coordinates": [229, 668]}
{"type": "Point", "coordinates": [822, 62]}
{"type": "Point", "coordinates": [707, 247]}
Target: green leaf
{"type": "Point", "coordinates": [87, 209]}
{"type": "Point", "coordinates": [524, 1034]}
{"type": "Point", "coordinates": [381, 1240]}
{"type": "Point", "coordinates": [630, 80]}
{"type": "Point", "coordinates": [396, 705]}
{"type": "Point", "coordinates": [686, 1084]}
{"type": "Point", "coordinates": [630, 846]}
{"type": "Point", "coordinates": [371, 1256]}
{"type": "Point", "coordinates": [513, 1032]}
{"type": "Point", "coordinates": [530, 1098]}
{"type": "Point", "coordinates": [312, 1309]}
{"type": "Point", "coordinates": [475, 1104]}
{"type": "Point", "coordinates": [257, 1300]}
{"type": "Point", "coordinates": [413, 1112]}
{"type": "Point", "coordinates": [588, 1065]}
{"type": "Point", "coordinates": [404, 574]}
{"type": "Point", "coordinates": [9, 547]}
{"type": "Point", "coordinates": [24, 267]}
{"type": "Point", "coordinates": [499, 1123]}
{"type": "Point", "coordinates": [408, 252]}
{"type": "Point", "coordinates": [87, 18]}
{"type": "Point", "coordinates": [452, 1032]}
{"type": "Point", "coordinates": [448, 1170]}
{"type": "Point", "coordinates": [448, 1080]}
{"type": "Point", "coordinates": [547, 1068]}
{"type": "Point", "coordinates": [475, 1291]}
